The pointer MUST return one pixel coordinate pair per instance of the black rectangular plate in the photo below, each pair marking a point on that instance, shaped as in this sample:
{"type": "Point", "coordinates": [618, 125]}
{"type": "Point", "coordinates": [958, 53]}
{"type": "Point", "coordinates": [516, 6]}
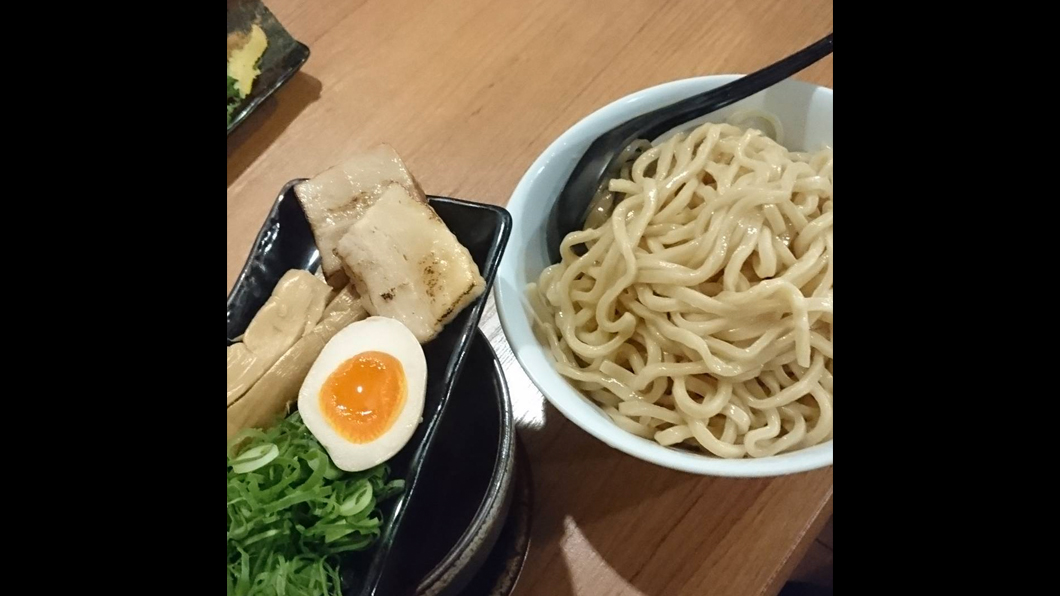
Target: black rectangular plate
{"type": "Point", "coordinates": [286, 242]}
{"type": "Point", "coordinates": [282, 58]}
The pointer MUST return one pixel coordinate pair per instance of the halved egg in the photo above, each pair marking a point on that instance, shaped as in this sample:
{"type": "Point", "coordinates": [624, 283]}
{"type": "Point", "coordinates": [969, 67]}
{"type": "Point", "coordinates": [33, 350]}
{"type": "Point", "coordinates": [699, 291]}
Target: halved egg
{"type": "Point", "coordinates": [363, 397]}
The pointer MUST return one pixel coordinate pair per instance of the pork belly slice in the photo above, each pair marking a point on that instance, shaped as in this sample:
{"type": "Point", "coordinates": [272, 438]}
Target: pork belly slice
{"type": "Point", "coordinates": [407, 265]}
{"type": "Point", "coordinates": [334, 199]}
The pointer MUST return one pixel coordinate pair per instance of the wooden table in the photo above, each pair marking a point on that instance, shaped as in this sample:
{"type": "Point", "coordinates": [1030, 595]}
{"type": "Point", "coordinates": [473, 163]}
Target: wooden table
{"type": "Point", "coordinates": [470, 92]}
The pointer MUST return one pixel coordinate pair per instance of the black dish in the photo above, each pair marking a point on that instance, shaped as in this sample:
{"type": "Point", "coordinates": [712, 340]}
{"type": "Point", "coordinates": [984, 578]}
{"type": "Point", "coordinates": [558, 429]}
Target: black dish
{"type": "Point", "coordinates": [475, 494]}
{"type": "Point", "coordinates": [283, 57]}
{"type": "Point", "coordinates": [499, 573]}
{"type": "Point", "coordinates": [285, 242]}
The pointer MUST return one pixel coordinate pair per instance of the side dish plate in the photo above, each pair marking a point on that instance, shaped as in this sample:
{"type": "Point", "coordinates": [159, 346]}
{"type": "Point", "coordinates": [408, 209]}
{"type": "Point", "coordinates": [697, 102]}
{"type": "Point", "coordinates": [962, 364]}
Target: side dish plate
{"type": "Point", "coordinates": [285, 242]}
{"type": "Point", "coordinates": [283, 57]}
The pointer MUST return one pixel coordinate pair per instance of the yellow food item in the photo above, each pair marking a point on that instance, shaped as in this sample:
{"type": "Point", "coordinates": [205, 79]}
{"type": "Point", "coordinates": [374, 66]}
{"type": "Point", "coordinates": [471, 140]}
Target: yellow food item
{"type": "Point", "coordinates": [271, 397]}
{"type": "Point", "coordinates": [295, 307]}
{"type": "Point", "coordinates": [243, 61]}
{"type": "Point", "coordinates": [363, 397]}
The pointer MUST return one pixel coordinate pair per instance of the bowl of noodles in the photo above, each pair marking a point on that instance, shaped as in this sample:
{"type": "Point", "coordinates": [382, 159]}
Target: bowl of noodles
{"type": "Point", "coordinates": [691, 326]}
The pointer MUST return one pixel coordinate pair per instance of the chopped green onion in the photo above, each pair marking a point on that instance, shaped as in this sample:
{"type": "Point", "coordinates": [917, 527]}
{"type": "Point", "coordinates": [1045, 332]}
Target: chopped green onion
{"type": "Point", "coordinates": [358, 501]}
{"type": "Point", "coordinates": [291, 511]}
{"type": "Point", "coordinates": [254, 458]}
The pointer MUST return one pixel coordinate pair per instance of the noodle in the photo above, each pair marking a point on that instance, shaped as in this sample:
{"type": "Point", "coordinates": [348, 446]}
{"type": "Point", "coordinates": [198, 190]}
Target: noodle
{"type": "Point", "coordinates": [700, 314]}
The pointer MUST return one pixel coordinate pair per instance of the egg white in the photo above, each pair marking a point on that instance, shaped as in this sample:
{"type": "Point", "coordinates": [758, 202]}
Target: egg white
{"type": "Point", "coordinates": [379, 334]}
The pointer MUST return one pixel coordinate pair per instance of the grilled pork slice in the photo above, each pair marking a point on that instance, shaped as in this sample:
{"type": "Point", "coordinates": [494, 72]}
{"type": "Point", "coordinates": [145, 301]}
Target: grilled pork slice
{"type": "Point", "coordinates": [407, 265]}
{"type": "Point", "coordinates": [294, 309]}
{"type": "Point", "coordinates": [336, 198]}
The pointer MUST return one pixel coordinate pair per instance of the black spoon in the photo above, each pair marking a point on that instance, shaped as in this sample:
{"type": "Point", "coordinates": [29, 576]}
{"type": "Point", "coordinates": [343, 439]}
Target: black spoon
{"type": "Point", "coordinates": [601, 161]}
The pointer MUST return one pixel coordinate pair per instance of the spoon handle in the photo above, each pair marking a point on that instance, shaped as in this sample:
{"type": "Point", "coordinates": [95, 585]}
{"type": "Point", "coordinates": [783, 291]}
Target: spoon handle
{"type": "Point", "coordinates": [660, 121]}
{"type": "Point", "coordinates": [600, 163]}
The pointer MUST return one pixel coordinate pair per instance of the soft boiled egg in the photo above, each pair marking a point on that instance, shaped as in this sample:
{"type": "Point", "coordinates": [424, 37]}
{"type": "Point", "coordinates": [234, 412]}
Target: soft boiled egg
{"type": "Point", "coordinates": [363, 397]}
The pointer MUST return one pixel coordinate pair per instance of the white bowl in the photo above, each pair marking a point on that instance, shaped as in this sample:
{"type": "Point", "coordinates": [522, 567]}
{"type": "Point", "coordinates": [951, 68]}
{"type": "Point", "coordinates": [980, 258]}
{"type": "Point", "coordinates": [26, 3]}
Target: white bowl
{"type": "Point", "coordinates": [804, 110]}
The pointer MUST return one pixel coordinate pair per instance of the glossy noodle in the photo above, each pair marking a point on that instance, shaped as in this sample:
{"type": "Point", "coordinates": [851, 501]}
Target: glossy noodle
{"type": "Point", "coordinates": [700, 314]}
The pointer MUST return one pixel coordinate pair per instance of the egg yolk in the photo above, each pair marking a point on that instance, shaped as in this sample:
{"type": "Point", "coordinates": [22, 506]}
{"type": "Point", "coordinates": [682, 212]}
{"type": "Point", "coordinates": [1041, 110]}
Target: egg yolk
{"type": "Point", "coordinates": [362, 398]}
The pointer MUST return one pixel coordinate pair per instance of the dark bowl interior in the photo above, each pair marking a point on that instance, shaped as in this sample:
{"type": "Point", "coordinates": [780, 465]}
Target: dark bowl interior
{"type": "Point", "coordinates": [286, 242]}
{"type": "Point", "coordinates": [282, 58]}
{"type": "Point", "coordinates": [465, 485]}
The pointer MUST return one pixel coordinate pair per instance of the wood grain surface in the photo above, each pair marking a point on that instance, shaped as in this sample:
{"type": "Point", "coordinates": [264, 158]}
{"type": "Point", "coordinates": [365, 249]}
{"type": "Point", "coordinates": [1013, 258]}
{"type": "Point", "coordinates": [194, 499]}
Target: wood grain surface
{"type": "Point", "coordinates": [470, 92]}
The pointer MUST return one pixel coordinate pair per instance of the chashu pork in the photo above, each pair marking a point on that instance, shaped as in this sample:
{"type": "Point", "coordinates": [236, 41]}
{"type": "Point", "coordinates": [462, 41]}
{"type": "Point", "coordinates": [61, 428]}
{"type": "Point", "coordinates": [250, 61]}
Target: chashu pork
{"type": "Point", "coordinates": [407, 265]}
{"type": "Point", "coordinates": [337, 197]}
